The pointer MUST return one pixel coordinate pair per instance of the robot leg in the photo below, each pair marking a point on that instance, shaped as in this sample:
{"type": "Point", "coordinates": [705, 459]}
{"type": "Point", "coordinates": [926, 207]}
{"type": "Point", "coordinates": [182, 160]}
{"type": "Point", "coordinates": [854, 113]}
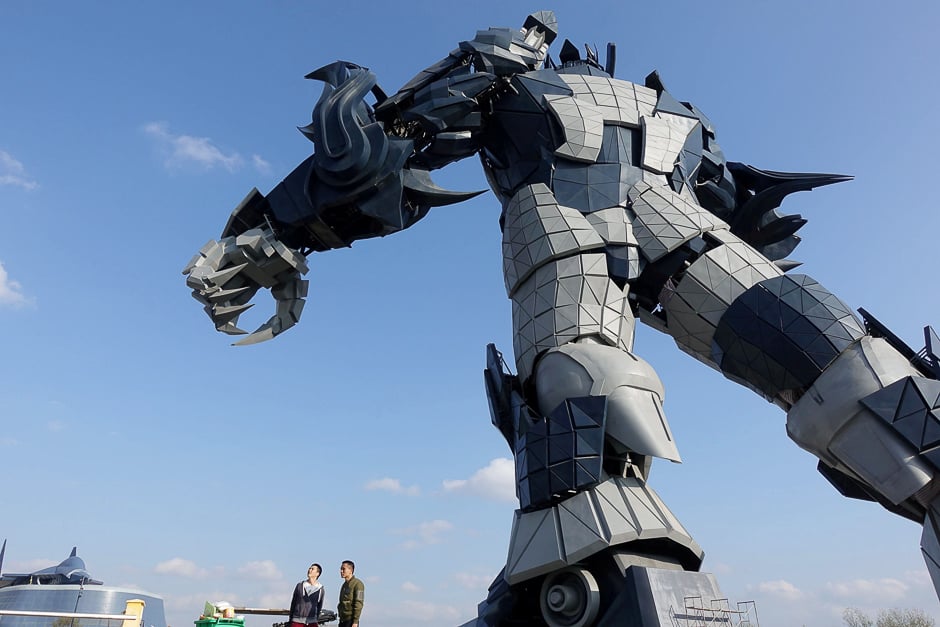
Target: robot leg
{"type": "Point", "coordinates": [635, 420]}
{"type": "Point", "coordinates": [589, 527]}
{"type": "Point", "coordinates": [873, 420]}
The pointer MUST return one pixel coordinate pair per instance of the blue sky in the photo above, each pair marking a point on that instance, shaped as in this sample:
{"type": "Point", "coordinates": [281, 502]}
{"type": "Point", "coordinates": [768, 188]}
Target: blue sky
{"type": "Point", "coordinates": [199, 471]}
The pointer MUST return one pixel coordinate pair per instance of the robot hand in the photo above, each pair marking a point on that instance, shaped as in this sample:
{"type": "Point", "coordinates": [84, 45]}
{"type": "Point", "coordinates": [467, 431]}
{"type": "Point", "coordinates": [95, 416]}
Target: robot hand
{"type": "Point", "coordinates": [225, 275]}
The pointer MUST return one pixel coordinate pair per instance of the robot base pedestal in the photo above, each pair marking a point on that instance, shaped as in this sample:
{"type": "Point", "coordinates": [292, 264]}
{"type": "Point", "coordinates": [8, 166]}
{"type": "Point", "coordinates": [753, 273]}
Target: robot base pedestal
{"type": "Point", "coordinates": [640, 596]}
{"type": "Point", "coordinates": [656, 597]}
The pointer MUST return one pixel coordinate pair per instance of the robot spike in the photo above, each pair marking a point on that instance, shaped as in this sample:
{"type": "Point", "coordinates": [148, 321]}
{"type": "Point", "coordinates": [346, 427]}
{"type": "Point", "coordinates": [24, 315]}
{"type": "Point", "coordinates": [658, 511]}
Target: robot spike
{"type": "Point", "coordinates": [224, 314]}
{"type": "Point", "coordinates": [335, 73]}
{"type": "Point", "coordinates": [569, 53]}
{"type": "Point", "coordinates": [758, 180]}
{"type": "Point", "coordinates": [308, 132]}
{"type": "Point", "coordinates": [422, 189]}
{"type": "Point", "coordinates": [786, 265]}
{"type": "Point", "coordinates": [768, 189]}
{"type": "Point", "coordinates": [611, 58]}
{"type": "Point", "coordinates": [653, 81]}
{"type": "Point", "coordinates": [591, 54]}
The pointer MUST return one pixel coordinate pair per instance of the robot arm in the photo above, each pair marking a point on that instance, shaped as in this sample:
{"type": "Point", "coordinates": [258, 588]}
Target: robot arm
{"type": "Point", "coordinates": [368, 175]}
{"type": "Point", "coordinates": [365, 179]}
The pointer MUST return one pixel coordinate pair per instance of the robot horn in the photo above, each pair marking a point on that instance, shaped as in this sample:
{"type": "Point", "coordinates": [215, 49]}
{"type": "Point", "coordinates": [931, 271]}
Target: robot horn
{"type": "Point", "coordinates": [424, 191]}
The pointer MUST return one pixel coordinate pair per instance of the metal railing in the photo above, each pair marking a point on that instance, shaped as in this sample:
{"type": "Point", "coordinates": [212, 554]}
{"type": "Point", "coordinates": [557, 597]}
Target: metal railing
{"type": "Point", "coordinates": [715, 613]}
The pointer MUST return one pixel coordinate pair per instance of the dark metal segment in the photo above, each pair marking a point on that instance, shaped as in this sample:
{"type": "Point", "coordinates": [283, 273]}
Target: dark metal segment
{"type": "Point", "coordinates": [781, 334]}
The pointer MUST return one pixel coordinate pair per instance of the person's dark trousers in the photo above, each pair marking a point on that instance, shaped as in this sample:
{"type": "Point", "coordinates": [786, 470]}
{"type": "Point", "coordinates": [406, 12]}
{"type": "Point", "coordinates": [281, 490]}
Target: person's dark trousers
{"type": "Point", "coordinates": [345, 623]}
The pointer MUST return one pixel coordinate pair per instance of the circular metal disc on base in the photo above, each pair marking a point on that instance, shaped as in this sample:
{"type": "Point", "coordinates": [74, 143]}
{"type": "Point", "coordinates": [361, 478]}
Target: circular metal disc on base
{"type": "Point", "coordinates": [570, 598]}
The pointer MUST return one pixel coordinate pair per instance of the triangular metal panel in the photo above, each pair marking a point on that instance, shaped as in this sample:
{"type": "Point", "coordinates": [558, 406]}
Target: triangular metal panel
{"type": "Point", "coordinates": [561, 477]}
{"type": "Point", "coordinates": [587, 471]}
{"type": "Point", "coordinates": [588, 411]}
{"type": "Point", "coordinates": [536, 545]}
{"type": "Point", "coordinates": [667, 104]}
{"type": "Point", "coordinates": [644, 512]}
{"type": "Point", "coordinates": [539, 485]}
{"type": "Point", "coordinates": [586, 445]}
{"type": "Point", "coordinates": [580, 529]}
{"type": "Point", "coordinates": [931, 431]}
{"type": "Point", "coordinates": [911, 400]}
{"type": "Point", "coordinates": [911, 427]}
{"type": "Point", "coordinates": [560, 447]}
{"type": "Point", "coordinates": [929, 389]}
{"type": "Point", "coordinates": [619, 523]}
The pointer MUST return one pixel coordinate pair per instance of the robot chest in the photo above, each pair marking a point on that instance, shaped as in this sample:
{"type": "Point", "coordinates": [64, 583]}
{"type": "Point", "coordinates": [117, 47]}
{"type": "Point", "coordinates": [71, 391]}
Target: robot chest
{"type": "Point", "coordinates": [570, 121]}
{"type": "Point", "coordinates": [599, 103]}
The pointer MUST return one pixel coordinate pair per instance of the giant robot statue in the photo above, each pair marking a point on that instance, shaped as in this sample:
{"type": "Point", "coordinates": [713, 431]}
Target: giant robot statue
{"type": "Point", "coordinates": [617, 205]}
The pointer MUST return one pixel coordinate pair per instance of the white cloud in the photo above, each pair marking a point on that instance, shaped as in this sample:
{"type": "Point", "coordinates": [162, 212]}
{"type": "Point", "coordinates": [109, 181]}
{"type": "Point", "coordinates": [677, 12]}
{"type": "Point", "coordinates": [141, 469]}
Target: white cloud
{"type": "Point", "coordinates": [425, 533]}
{"type": "Point", "coordinates": [55, 426]}
{"type": "Point", "coordinates": [423, 612]}
{"type": "Point", "coordinates": [883, 591]}
{"type": "Point", "coordinates": [181, 568]}
{"type": "Point", "coordinates": [496, 481]}
{"type": "Point", "coordinates": [8, 441]}
{"type": "Point", "coordinates": [720, 568]}
{"type": "Point", "coordinates": [410, 587]}
{"type": "Point", "coordinates": [473, 582]}
{"type": "Point", "coordinates": [780, 588]}
{"type": "Point", "coordinates": [197, 599]}
{"type": "Point", "coordinates": [260, 164]}
{"type": "Point", "coordinates": [13, 173]}
{"type": "Point", "coordinates": [275, 599]}
{"type": "Point", "coordinates": [183, 151]}
{"type": "Point", "coordinates": [10, 291]}
{"type": "Point", "coordinates": [263, 569]}
{"type": "Point", "coordinates": [919, 578]}
{"type": "Point", "coordinates": [823, 605]}
{"type": "Point", "coordinates": [394, 486]}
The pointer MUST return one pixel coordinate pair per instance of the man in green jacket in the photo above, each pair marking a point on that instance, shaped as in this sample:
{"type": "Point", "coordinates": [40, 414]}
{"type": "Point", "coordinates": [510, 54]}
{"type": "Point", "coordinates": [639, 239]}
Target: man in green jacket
{"type": "Point", "coordinates": [351, 596]}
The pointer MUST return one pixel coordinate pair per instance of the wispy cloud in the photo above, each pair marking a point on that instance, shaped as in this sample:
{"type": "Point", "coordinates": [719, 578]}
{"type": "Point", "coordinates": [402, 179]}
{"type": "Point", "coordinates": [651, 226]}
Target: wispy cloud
{"type": "Point", "coordinates": [260, 164]}
{"type": "Point", "coordinates": [8, 441]}
{"type": "Point", "coordinates": [188, 151]}
{"type": "Point", "coordinates": [132, 586]}
{"type": "Point", "coordinates": [885, 591]}
{"type": "Point", "coordinates": [824, 604]}
{"type": "Point", "coordinates": [720, 568]}
{"type": "Point", "coordinates": [186, 602]}
{"type": "Point", "coordinates": [274, 599]}
{"type": "Point", "coordinates": [410, 587]}
{"type": "Point", "coordinates": [13, 173]}
{"type": "Point", "coordinates": [473, 582]}
{"type": "Point", "coordinates": [55, 426]}
{"type": "Point", "coordinates": [263, 569]}
{"type": "Point", "coordinates": [387, 484]}
{"type": "Point", "coordinates": [918, 578]}
{"type": "Point", "coordinates": [180, 567]}
{"type": "Point", "coordinates": [495, 481]}
{"type": "Point", "coordinates": [780, 588]}
{"type": "Point", "coordinates": [425, 533]}
{"type": "Point", "coordinates": [11, 292]}
{"type": "Point", "coordinates": [423, 612]}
